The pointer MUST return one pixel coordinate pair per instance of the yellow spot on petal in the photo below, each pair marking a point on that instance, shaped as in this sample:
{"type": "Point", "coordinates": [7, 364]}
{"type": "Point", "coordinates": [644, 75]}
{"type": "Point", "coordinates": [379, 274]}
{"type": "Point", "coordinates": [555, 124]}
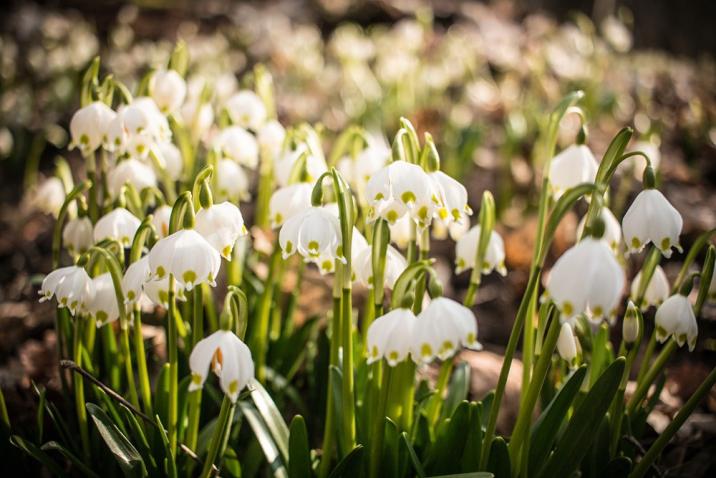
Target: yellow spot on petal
{"type": "Point", "coordinates": [374, 352]}
{"type": "Point", "coordinates": [393, 356]}
{"type": "Point", "coordinates": [313, 246]}
{"type": "Point", "coordinates": [470, 339]}
{"type": "Point", "coordinates": [233, 387]}
{"type": "Point", "coordinates": [226, 251]}
{"type": "Point", "coordinates": [635, 243]}
{"type": "Point", "coordinates": [408, 197]}
{"type": "Point", "coordinates": [392, 216]}
{"type": "Point", "coordinates": [196, 378]}
{"type": "Point", "coordinates": [161, 272]}
{"type": "Point", "coordinates": [665, 243]}
{"type": "Point", "coordinates": [423, 213]}
{"type": "Point", "coordinates": [426, 350]}
{"type": "Point", "coordinates": [567, 308]}
{"type": "Point", "coordinates": [189, 277]}
{"type": "Point", "coordinates": [598, 311]}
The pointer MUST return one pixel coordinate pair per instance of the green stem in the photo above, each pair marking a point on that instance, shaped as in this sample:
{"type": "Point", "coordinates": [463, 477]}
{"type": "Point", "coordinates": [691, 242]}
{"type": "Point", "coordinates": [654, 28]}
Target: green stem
{"type": "Point", "coordinates": [348, 401]}
{"type": "Point", "coordinates": [440, 386]}
{"type": "Point", "coordinates": [329, 425]}
{"type": "Point", "coordinates": [124, 342]}
{"type": "Point", "coordinates": [78, 382]}
{"type": "Point", "coordinates": [93, 209]}
{"type": "Point", "coordinates": [142, 372]}
{"type": "Point", "coordinates": [221, 432]}
{"type": "Point", "coordinates": [658, 446]}
{"type": "Point", "coordinates": [264, 314]}
{"type": "Point", "coordinates": [173, 367]}
{"type": "Point", "coordinates": [650, 347]}
{"type": "Point", "coordinates": [109, 351]}
{"type": "Point", "coordinates": [197, 325]}
{"type": "Point", "coordinates": [657, 368]}
{"type": "Point", "coordinates": [378, 426]}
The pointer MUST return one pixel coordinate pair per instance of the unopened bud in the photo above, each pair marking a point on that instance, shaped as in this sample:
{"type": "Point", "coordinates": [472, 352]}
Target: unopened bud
{"type": "Point", "coordinates": [566, 343]}
{"type": "Point", "coordinates": [630, 326]}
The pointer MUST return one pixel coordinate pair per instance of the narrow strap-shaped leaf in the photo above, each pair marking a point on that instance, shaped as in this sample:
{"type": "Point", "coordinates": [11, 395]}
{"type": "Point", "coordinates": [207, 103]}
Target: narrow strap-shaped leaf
{"type": "Point", "coordinates": [544, 431]}
{"type": "Point", "coordinates": [169, 462]}
{"type": "Point", "coordinates": [474, 474]}
{"type": "Point", "coordinates": [299, 452]}
{"type": "Point", "coordinates": [128, 458]}
{"type": "Point", "coordinates": [265, 439]}
{"type": "Point", "coordinates": [269, 412]}
{"type": "Point", "coordinates": [417, 466]}
{"type": "Point", "coordinates": [451, 445]}
{"type": "Point", "coordinates": [457, 390]}
{"type": "Point", "coordinates": [350, 465]}
{"type": "Point", "coordinates": [71, 457]}
{"type": "Point", "coordinates": [499, 461]}
{"type": "Point", "coordinates": [580, 432]}
{"type": "Point", "coordinates": [473, 443]}
{"type": "Point", "coordinates": [39, 455]}
{"type": "Point", "coordinates": [390, 464]}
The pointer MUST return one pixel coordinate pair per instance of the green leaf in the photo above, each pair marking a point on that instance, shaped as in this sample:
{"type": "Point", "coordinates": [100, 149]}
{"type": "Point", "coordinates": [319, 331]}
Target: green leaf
{"type": "Point", "coordinates": [265, 439]}
{"type": "Point", "coordinates": [271, 416]}
{"type": "Point", "coordinates": [474, 474]}
{"type": "Point", "coordinates": [169, 460]}
{"type": "Point", "coordinates": [473, 444]}
{"type": "Point", "coordinates": [299, 452]}
{"type": "Point", "coordinates": [450, 445]}
{"type": "Point", "coordinates": [39, 455]}
{"type": "Point", "coordinates": [579, 434]}
{"type": "Point", "coordinates": [124, 452]}
{"type": "Point", "coordinates": [417, 466]}
{"type": "Point", "coordinates": [499, 462]}
{"type": "Point", "coordinates": [545, 430]}
{"type": "Point", "coordinates": [598, 457]}
{"type": "Point", "coordinates": [457, 390]}
{"type": "Point", "coordinates": [136, 430]}
{"type": "Point", "coordinates": [390, 463]}
{"type": "Point", "coordinates": [350, 465]}
{"type": "Point", "coordinates": [71, 457]}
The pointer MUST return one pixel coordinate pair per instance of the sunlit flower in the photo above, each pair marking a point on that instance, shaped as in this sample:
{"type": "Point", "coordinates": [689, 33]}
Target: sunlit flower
{"type": "Point", "coordinates": [285, 163]}
{"type": "Point", "coordinates": [52, 280]}
{"type": "Point", "coordinates": [103, 306]}
{"type": "Point", "coordinates": [49, 196]}
{"type": "Point", "coordinates": [612, 228]}
{"type": "Point", "coordinates": [567, 343]}
{"type": "Point", "coordinates": [77, 235]}
{"type": "Point", "coordinates": [160, 220]}
{"type": "Point", "coordinates": [358, 171]}
{"type": "Point", "coordinates": [231, 181]}
{"type": "Point", "coordinates": [313, 233]}
{"type": "Point", "coordinates": [157, 291]}
{"type": "Point", "coordinates": [651, 218]}
{"type": "Point", "coordinates": [186, 255]}
{"type": "Point", "coordinates": [246, 109]}
{"type": "Point", "coordinates": [630, 325]}
{"type": "Point", "coordinates": [270, 137]}
{"type": "Point", "coordinates": [400, 232]}
{"type": "Point", "coordinates": [656, 291]}
{"type": "Point", "coordinates": [138, 128]}
{"type": "Point", "coordinates": [586, 279]}
{"type": "Point", "coordinates": [198, 117]}
{"type": "Point", "coordinates": [675, 318]}
{"type": "Point", "coordinates": [573, 166]}
{"type": "Point", "coordinates": [453, 198]}
{"type": "Point", "coordinates": [90, 125]}
{"type": "Point", "coordinates": [288, 201]}
{"type": "Point", "coordinates": [362, 265]}
{"type": "Point", "coordinates": [118, 224]}
{"type": "Point", "coordinates": [72, 287]}
{"type": "Point", "coordinates": [221, 225]}
{"type": "Point", "coordinates": [229, 358]}
{"type": "Point", "coordinates": [466, 250]}
{"type": "Point", "coordinates": [168, 90]}
{"type": "Point", "coordinates": [441, 329]}
{"type": "Point", "coordinates": [238, 144]}
{"type": "Point", "coordinates": [130, 171]}
{"type": "Point", "coordinates": [390, 336]}
{"type": "Point", "coordinates": [135, 277]}
{"type": "Point", "coordinates": [172, 159]}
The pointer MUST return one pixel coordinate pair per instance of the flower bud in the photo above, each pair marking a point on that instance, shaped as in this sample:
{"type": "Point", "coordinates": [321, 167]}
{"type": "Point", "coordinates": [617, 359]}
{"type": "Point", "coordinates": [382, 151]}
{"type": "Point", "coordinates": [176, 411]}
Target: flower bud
{"type": "Point", "coordinates": [630, 326]}
{"type": "Point", "coordinates": [566, 343]}
{"type": "Point", "coordinates": [168, 90]}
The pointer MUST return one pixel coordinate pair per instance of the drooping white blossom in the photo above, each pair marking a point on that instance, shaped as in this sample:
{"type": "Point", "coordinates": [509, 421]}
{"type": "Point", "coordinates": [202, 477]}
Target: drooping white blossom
{"type": "Point", "coordinates": [77, 235]}
{"type": "Point", "coordinates": [313, 233]}
{"type": "Point", "coordinates": [160, 220]}
{"type": "Point", "coordinates": [103, 306]}
{"type": "Point", "coordinates": [135, 277]}
{"type": "Point", "coordinates": [168, 90]}
{"type": "Point", "coordinates": [466, 250]}
{"type": "Point", "coordinates": [173, 162]}
{"type": "Point", "coordinates": [441, 329]}
{"type": "Point", "coordinates": [130, 171]}
{"type": "Point", "coordinates": [231, 181]}
{"type": "Point", "coordinates": [675, 318]}
{"type": "Point", "coordinates": [89, 127]}
{"type": "Point", "coordinates": [612, 228]}
{"type": "Point", "coordinates": [72, 287]}
{"type": "Point", "coordinates": [246, 109]}
{"type": "Point", "coordinates": [656, 291]}
{"type": "Point", "coordinates": [271, 137]}
{"type": "Point", "coordinates": [362, 264]}
{"type": "Point", "coordinates": [221, 225]}
{"type": "Point", "coordinates": [453, 199]}
{"type": "Point", "coordinates": [574, 165]}
{"type": "Point", "coordinates": [118, 224]}
{"type": "Point", "coordinates": [49, 196]}
{"type": "Point", "coordinates": [186, 255]}
{"type": "Point", "coordinates": [228, 357]}
{"type": "Point", "coordinates": [286, 162]}
{"type": "Point", "coordinates": [239, 145]}
{"type": "Point", "coordinates": [651, 218]}
{"type": "Point", "coordinates": [288, 201]}
{"type": "Point", "coordinates": [390, 336]}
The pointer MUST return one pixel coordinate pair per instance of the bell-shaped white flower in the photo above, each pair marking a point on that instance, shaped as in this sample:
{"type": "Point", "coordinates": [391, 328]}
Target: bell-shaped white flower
{"type": "Point", "coordinates": [135, 277]}
{"type": "Point", "coordinates": [246, 109]}
{"type": "Point", "coordinates": [103, 306]}
{"type": "Point", "coordinates": [73, 288]}
{"type": "Point", "coordinates": [313, 233]}
{"type": "Point", "coordinates": [172, 159]}
{"type": "Point", "coordinates": [453, 198]}
{"type": "Point", "coordinates": [160, 220]}
{"type": "Point", "coordinates": [586, 279]}
{"type": "Point", "coordinates": [390, 336]}
{"type": "Point", "coordinates": [441, 329]}
{"type": "Point", "coordinates": [186, 255]}
{"type": "Point", "coordinates": [198, 117]}
{"type": "Point", "coordinates": [656, 291]}
{"type": "Point", "coordinates": [231, 181]}
{"type": "Point", "coordinates": [651, 218]}
{"type": "Point", "coordinates": [130, 171]}
{"type": "Point", "coordinates": [285, 163]}
{"type": "Point", "coordinates": [466, 250]}
{"type": "Point", "coordinates": [168, 90]}
{"type": "Point", "coordinates": [270, 138]}
{"type": "Point", "coordinates": [612, 228]}
{"type": "Point", "coordinates": [400, 232]}
{"type": "Point", "coordinates": [89, 126]}
{"type": "Point", "coordinates": [358, 171]}
{"type": "Point", "coordinates": [49, 196]}
{"type": "Point", "coordinates": [221, 225]}
{"type": "Point", "coordinates": [574, 165]}
{"type": "Point", "coordinates": [675, 318]}
{"type": "Point", "coordinates": [77, 235]}
{"type": "Point", "coordinates": [118, 224]}
{"type": "Point", "coordinates": [157, 292]}
{"type": "Point", "coordinates": [229, 358]}
{"type": "Point", "coordinates": [139, 127]}
{"type": "Point", "coordinates": [362, 264]}
{"type": "Point", "coordinates": [288, 201]}
{"type": "Point", "coordinates": [238, 144]}
{"type": "Point", "coordinates": [567, 342]}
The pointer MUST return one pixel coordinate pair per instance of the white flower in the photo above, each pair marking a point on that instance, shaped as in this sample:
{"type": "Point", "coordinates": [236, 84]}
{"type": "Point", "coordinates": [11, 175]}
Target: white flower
{"type": "Point", "coordinates": [135, 277]}
{"type": "Point", "coordinates": [157, 291]}
{"type": "Point", "coordinates": [221, 225]}
{"type": "Point", "coordinates": [238, 144]}
{"type": "Point", "coordinates": [656, 291]}
{"type": "Point", "coordinates": [270, 138]}
{"type": "Point", "coordinates": [651, 218]}
{"type": "Point", "coordinates": [231, 180]}
{"type": "Point", "coordinates": [453, 198]}
{"type": "Point", "coordinates": [168, 90]}
{"type": "Point", "coordinates": [586, 278]}
{"type": "Point", "coordinates": [49, 196]}
{"type": "Point", "coordinates": [400, 232]}
{"type": "Point", "coordinates": [466, 250]}
{"type": "Point", "coordinates": [90, 125]}
{"type": "Point", "coordinates": [103, 306]}
{"type": "Point", "coordinates": [358, 171]}
{"type": "Point", "coordinates": [160, 220]}
{"type": "Point", "coordinates": [186, 255]}
{"type": "Point", "coordinates": [72, 287]}
{"type": "Point", "coordinates": [612, 228]}
{"type": "Point", "coordinates": [630, 325]}
{"type": "Point", "coordinates": [246, 109]}
{"type": "Point", "coordinates": [77, 235]}
{"type": "Point", "coordinates": [313, 233]}
{"type": "Point", "coordinates": [198, 117]}
{"type": "Point", "coordinates": [567, 343]}
{"type": "Point", "coordinates": [119, 224]}
{"type": "Point", "coordinates": [362, 265]}
{"type": "Point", "coordinates": [228, 357]}
{"type": "Point", "coordinates": [130, 171]}
{"type": "Point", "coordinates": [173, 161]}
{"type": "Point", "coordinates": [139, 127]}
{"type": "Point", "coordinates": [573, 166]}
{"type": "Point", "coordinates": [285, 163]}
{"type": "Point", "coordinates": [675, 317]}
{"type": "Point", "coordinates": [441, 328]}
{"type": "Point", "coordinates": [288, 201]}
{"type": "Point", "coordinates": [390, 336]}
